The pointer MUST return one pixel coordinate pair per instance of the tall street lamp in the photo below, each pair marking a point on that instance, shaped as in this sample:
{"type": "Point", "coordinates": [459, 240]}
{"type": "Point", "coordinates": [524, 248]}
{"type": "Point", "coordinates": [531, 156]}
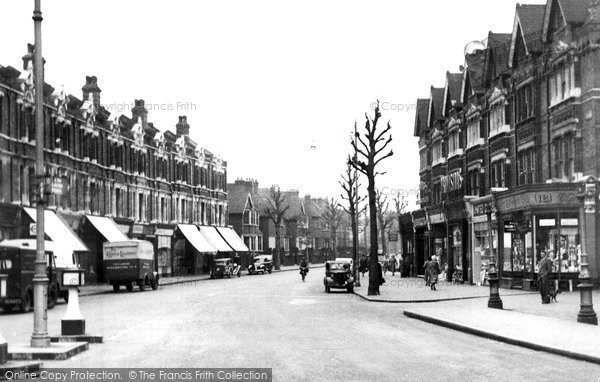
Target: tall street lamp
{"type": "Point", "coordinates": [40, 337]}
{"type": "Point", "coordinates": [588, 210]}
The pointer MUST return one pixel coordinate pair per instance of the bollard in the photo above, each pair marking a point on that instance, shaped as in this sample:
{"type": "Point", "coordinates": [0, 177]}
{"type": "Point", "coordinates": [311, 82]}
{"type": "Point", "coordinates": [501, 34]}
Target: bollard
{"type": "Point", "coordinates": [73, 323]}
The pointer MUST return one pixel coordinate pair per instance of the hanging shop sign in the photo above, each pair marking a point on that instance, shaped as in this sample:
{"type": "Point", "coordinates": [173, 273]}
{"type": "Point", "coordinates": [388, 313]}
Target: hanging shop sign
{"type": "Point", "coordinates": [451, 182]}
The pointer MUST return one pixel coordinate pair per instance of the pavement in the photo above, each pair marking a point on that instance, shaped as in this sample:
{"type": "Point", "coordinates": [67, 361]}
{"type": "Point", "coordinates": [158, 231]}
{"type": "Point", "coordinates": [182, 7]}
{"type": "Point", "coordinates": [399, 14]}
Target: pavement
{"type": "Point", "coordinates": [295, 328]}
{"type": "Point", "coordinates": [414, 290]}
{"type": "Point", "coordinates": [524, 321]}
{"type": "Point", "coordinates": [93, 289]}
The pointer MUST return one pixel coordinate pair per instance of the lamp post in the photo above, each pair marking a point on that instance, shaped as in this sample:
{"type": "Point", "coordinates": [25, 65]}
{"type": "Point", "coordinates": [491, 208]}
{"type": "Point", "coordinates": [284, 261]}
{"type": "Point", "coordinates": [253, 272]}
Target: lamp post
{"type": "Point", "coordinates": [494, 300]}
{"type": "Point", "coordinates": [39, 337]}
{"type": "Point", "coordinates": [3, 344]}
{"type": "Point", "coordinates": [588, 209]}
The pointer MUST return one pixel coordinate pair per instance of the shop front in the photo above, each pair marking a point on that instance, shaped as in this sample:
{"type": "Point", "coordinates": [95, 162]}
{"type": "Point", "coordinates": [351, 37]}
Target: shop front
{"type": "Point", "coordinates": [458, 260]}
{"type": "Point", "coordinates": [439, 243]}
{"type": "Point", "coordinates": [420, 239]}
{"type": "Point", "coordinates": [483, 225]}
{"type": "Point", "coordinates": [540, 220]}
{"type": "Point", "coordinates": [163, 241]}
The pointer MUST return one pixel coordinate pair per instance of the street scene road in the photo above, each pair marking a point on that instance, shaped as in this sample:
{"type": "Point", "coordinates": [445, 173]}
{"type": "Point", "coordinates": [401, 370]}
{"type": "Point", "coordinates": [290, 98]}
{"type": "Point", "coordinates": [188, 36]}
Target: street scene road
{"type": "Point", "coordinates": [279, 322]}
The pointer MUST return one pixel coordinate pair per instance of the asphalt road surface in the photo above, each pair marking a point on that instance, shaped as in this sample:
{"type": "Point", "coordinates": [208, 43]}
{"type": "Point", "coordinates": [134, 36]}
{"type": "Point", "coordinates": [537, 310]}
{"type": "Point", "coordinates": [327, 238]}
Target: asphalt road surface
{"type": "Point", "coordinates": [295, 328]}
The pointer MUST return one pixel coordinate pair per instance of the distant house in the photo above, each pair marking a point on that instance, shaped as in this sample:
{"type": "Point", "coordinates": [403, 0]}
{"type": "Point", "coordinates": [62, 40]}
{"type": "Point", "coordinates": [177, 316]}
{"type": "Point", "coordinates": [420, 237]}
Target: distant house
{"type": "Point", "coordinates": [244, 213]}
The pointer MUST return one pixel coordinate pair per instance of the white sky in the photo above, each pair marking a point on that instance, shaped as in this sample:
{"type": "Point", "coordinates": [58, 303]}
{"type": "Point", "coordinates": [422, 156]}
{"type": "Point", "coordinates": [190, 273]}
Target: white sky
{"type": "Point", "coordinates": [265, 79]}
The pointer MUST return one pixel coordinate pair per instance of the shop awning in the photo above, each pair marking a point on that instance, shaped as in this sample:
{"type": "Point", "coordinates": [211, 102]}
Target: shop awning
{"type": "Point", "coordinates": [232, 238]}
{"type": "Point", "coordinates": [196, 239]}
{"type": "Point", "coordinates": [212, 236]}
{"type": "Point", "coordinates": [107, 228]}
{"type": "Point", "coordinates": [61, 234]}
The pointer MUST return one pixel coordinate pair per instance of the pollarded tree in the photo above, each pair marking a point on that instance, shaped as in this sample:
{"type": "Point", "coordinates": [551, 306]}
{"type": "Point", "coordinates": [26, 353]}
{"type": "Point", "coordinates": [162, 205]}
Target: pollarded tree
{"type": "Point", "coordinates": [350, 186]}
{"type": "Point", "coordinates": [276, 210]}
{"type": "Point", "coordinates": [384, 217]}
{"type": "Point", "coordinates": [333, 217]}
{"type": "Point", "coordinates": [371, 148]}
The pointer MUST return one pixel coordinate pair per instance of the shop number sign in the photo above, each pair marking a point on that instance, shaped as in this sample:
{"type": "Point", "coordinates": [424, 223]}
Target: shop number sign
{"type": "Point", "coordinates": [543, 198]}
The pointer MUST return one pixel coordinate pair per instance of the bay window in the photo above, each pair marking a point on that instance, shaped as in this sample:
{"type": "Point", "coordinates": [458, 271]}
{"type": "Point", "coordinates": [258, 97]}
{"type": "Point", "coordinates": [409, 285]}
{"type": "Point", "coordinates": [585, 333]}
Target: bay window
{"type": "Point", "coordinates": [473, 134]}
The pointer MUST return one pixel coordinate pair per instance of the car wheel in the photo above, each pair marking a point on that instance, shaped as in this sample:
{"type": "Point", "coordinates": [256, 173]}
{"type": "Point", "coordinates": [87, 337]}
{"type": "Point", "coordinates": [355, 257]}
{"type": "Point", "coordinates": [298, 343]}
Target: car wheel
{"type": "Point", "coordinates": [350, 289]}
{"type": "Point", "coordinates": [212, 276]}
{"type": "Point", "coordinates": [239, 274]}
{"type": "Point", "coordinates": [154, 284]}
{"type": "Point", "coordinates": [52, 297]}
{"type": "Point", "coordinates": [142, 285]}
{"type": "Point", "coordinates": [250, 271]}
{"type": "Point", "coordinates": [129, 287]}
{"type": "Point", "coordinates": [116, 288]}
{"type": "Point", "coordinates": [327, 289]}
{"type": "Point", "coordinates": [25, 305]}
{"type": "Point", "coordinates": [270, 270]}
{"type": "Point", "coordinates": [65, 296]}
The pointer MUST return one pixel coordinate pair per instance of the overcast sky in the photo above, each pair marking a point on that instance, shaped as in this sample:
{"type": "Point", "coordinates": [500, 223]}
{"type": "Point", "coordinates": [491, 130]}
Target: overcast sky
{"type": "Point", "coordinates": [263, 81]}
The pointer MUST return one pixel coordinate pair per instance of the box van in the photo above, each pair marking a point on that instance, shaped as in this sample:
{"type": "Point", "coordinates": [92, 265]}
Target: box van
{"type": "Point", "coordinates": [17, 259]}
{"type": "Point", "coordinates": [129, 262]}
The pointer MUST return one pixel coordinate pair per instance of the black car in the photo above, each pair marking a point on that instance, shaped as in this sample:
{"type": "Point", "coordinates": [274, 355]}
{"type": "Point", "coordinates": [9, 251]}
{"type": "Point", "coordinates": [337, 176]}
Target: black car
{"type": "Point", "coordinates": [224, 267]}
{"type": "Point", "coordinates": [338, 274]}
{"type": "Point", "coordinates": [261, 264]}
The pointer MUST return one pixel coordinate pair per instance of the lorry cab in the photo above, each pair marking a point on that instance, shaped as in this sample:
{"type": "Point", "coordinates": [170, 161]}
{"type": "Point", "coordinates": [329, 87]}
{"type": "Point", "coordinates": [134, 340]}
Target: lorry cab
{"type": "Point", "coordinates": [17, 259]}
{"type": "Point", "coordinates": [128, 262]}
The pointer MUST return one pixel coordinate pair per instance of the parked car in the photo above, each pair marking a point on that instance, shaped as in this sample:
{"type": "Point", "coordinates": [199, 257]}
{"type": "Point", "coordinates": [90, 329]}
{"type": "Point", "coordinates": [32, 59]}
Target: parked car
{"type": "Point", "coordinates": [17, 259]}
{"type": "Point", "coordinates": [224, 267]}
{"type": "Point", "coordinates": [129, 262]}
{"type": "Point", "coordinates": [338, 275]}
{"type": "Point", "coordinates": [261, 264]}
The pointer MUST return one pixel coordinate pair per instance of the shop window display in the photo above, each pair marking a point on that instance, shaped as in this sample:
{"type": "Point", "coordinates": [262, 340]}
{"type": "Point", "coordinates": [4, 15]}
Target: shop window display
{"type": "Point", "coordinates": [482, 254]}
{"type": "Point", "coordinates": [561, 242]}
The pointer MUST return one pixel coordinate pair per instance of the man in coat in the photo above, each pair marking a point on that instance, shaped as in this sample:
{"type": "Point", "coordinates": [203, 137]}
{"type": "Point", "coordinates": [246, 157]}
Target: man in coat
{"type": "Point", "coordinates": [544, 276]}
{"type": "Point", "coordinates": [426, 268]}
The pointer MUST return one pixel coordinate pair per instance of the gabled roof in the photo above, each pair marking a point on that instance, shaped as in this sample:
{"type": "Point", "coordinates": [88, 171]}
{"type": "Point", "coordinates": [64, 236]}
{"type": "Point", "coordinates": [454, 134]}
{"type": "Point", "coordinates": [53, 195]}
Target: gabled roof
{"type": "Point", "coordinates": [421, 116]}
{"type": "Point", "coordinates": [237, 198]}
{"type": "Point", "coordinates": [528, 24]}
{"type": "Point", "coordinates": [292, 199]}
{"type": "Point", "coordinates": [451, 90]}
{"type": "Point", "coordinates": [496, 59]}
{"type": "Point", "coordinates": [570, 12]}
{"type": "Point", "coordinates": [473, 74]}
{"type": "Point", "coordinates": [436, 101]}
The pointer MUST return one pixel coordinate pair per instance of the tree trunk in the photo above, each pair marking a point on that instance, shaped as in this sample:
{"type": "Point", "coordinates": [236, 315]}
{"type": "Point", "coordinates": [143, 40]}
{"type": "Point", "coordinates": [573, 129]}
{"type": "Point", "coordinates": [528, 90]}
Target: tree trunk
{"type": "Point", "coordinates": [355, 244]}
{"type": "Point", "coordinates": [374, 276]}
{"type": "Point", "coordinates": [277, 254]}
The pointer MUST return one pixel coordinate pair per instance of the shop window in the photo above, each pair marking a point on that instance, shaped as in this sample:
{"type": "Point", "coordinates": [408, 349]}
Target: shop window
{"type": "Point", "coordinates": [482, 255]}
{"type": "Point", "coordinates": [561, 241]}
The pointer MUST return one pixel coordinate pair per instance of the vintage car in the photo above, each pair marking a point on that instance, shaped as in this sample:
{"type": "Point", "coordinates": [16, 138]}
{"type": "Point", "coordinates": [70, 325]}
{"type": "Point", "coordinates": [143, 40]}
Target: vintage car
{"type": "Point", "coordinates": [262, 264]}
{"type": "Point", "coordinates": [338, 274]}
{"type": "Point", "coordinates": [224, 267]}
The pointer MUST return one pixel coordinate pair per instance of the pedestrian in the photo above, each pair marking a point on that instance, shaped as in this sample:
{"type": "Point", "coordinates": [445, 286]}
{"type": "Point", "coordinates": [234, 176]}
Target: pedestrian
{"type": "Point", "coordinates": [426, 268]}
{"type": "Point", "coordinates": [392, 264]}
{"type": "Point", "coordinates": [544, 276]}
{"type": "Point", "coordinates": [434, 271]}
{"type": "Point", "coordinates": [380, 274]}
{"type": "Point", "coordinates": [363, 265]}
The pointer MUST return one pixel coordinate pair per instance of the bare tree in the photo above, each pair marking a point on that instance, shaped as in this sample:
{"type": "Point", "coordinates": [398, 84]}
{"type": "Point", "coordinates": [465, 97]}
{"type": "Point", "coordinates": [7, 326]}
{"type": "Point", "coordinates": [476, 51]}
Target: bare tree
{"type": "Point", "coordinates": [350, 186]}
{"type": "Point", "coordinates": [333, 217]}
{"type": "Point", "coordinates": [276, 210]}
{"type": "Point", "coordinates": [384, 217]}
{"type": "Point", "coordinates": [371, 150]}
{"type": "Point", "coordinates": [400, 204]}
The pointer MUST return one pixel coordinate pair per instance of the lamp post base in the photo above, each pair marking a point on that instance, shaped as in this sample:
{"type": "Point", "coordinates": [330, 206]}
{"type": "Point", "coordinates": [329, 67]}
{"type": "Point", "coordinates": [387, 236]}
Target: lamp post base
{"type": "Point", "coordinates": [495, 302]}
{"type": "Point", "coordinates": [586, 313]}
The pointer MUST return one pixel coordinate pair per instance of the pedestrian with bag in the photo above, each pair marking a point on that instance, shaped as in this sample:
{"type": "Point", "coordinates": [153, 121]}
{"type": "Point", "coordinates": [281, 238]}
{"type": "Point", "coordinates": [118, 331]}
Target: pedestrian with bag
{"type": "Point", "coordinates": [426, 268]}
{"type": "Point", "coordinates": [434, 271]}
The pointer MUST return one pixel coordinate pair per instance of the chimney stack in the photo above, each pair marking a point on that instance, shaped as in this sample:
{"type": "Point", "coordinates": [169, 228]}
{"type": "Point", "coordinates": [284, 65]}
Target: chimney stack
{"type": "Point", "coordinates": [91, 87]}
{"type": "Point", "coordinates": [183, 128]}
{"type": "Point", "coordinates": [139, 110]}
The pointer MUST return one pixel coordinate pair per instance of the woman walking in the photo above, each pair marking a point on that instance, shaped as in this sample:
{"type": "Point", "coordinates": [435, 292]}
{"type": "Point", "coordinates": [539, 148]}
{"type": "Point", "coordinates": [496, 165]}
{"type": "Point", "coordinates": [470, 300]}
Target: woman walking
{"type": "Point", "coordinates": [434, 271]}
{"type": "Point", "coordinates": [426, 268]}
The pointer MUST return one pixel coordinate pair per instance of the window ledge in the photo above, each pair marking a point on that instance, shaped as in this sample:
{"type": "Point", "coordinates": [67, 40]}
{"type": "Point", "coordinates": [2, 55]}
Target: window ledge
{"type": "Point", "coordinates": [456, 153]}
{"type": "Point", "coordinates": [478, 142]}
{"type": "Point", "coordinates": [503, 129]}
